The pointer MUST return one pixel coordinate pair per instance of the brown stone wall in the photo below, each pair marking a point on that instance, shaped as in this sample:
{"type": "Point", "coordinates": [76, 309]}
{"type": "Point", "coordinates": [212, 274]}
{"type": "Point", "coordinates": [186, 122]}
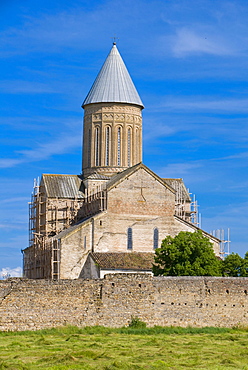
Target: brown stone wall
{"type": "Point", "coordinates": [74, 250]}
{"type": "Point", "coordinates": [141, 194]}
{"type": "Point", "coordinates": [182, 301]}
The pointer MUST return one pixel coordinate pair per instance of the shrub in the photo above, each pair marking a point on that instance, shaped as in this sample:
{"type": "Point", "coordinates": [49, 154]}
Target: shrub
{"type": "Point", "coordinates": [136, 323]}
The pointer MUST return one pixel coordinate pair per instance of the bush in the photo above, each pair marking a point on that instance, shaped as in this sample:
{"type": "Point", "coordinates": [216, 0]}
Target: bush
{"type": "Point", "coordinates": [136, 323]}
{"type": "Point", "coordinates": [187, 254]}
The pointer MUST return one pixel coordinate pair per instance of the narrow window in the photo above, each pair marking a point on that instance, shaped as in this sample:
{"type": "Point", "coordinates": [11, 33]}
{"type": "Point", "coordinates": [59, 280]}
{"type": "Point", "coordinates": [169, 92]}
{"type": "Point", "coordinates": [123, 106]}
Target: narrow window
{"type": "Point", "coordinates": [119, 147]}
{"type": "Point", "coordinates": [137, 145]}
{"type": "Point", "coordinates": [155, 238]}
{"type": "Point", "coordinates": [107, 147]}
{"type": "Point", "coordinates": [97, 146]}
{"type": "Point", "coordinates": [89, 148]}
{"type": "Point", "coordinates": [129, 238]}
{"type": "Point", "coordinates": [129, 147]}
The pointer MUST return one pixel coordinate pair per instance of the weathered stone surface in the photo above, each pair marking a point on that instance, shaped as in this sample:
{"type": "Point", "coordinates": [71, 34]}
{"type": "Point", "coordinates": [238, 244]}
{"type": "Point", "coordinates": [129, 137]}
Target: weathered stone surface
{"type": "Point", "coordinates": [180, 301]}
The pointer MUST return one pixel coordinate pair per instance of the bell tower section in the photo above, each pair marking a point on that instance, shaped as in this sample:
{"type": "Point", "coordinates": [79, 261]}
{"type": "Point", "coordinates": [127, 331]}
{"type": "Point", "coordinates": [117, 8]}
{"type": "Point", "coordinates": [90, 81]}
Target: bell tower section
{"type": "Point", "coordinates": [112, 138]}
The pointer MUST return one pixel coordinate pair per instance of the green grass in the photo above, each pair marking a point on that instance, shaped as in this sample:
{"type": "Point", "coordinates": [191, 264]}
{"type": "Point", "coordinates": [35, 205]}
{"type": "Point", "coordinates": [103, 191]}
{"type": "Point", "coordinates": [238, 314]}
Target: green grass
{"type": "Point", "coordinates": [70, 348]}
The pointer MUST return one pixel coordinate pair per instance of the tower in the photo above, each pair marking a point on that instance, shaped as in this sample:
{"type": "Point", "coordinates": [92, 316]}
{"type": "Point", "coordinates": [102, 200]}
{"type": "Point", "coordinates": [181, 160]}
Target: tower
{"type": "Point", "coordinates": [112, 139]}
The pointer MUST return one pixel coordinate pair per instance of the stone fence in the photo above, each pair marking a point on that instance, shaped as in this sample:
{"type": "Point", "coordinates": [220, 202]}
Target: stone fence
{"type": "Point", "coordinates": [179, 301]}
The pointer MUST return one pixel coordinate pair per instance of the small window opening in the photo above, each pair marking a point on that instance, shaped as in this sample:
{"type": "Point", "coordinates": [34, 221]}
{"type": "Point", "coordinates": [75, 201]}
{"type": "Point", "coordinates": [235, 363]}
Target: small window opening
{"type": "Point", "coordinates": [97, 147]}
{"type": "Point", "coordinates": [129, 147]}
{"type": "Point", "coordinates": [89, 148]}
{"type": "Point", "coordinates": [129, 238]}
{"type": "Point", "coordinates": [155, 238]}
{"type": "Point", "coordinates": [107, 147]}
{"type": "Point", "coordinates": [119, 147]}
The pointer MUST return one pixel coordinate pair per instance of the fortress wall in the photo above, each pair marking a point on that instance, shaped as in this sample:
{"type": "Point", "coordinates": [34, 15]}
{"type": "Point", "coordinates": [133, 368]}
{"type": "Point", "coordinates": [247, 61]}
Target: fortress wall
{"type": "Point", "coordinates": [180, 301]}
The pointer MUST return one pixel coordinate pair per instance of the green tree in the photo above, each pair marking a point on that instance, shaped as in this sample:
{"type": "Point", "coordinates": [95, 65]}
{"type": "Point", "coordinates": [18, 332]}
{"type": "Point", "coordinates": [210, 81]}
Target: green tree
{"type": "Point", "coordinates": [235, 265]}
{"type": "Point", "coordinates": [188, 254]}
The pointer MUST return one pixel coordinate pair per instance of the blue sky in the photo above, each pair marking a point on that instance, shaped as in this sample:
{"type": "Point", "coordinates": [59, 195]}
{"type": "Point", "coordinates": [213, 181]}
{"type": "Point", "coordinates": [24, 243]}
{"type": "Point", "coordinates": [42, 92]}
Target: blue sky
{"type": "Point", "coordinates": [188, 60]}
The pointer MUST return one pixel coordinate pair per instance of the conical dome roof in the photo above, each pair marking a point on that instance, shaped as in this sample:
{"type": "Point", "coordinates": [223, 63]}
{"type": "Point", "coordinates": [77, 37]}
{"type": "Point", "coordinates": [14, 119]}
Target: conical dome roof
{"type": "Point", "coordinates": [113, 84]}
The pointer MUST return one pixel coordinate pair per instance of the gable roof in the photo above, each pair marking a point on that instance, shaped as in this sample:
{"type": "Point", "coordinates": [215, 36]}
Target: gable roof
{"type": "Point", "coordinates": [126, 261]}
{"type": "Point", "coordinates": [113, 83]}
{"type": "Point", "coordinates": [62, 186]}
{"type": "Point", "coordinates": [116, 179]}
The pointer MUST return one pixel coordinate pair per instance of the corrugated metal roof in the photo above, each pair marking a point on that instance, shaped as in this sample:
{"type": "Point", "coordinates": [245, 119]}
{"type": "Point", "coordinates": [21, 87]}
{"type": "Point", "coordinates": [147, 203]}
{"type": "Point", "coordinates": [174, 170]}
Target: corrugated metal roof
{"type": "Point", "coordinates": [113, 83]}
{"type": "Point", "coordinates": [127, 261]}
{"type": "Point", "coordinates": [62, 186]}
{"type": "Point", "coordinates": [97, 176]}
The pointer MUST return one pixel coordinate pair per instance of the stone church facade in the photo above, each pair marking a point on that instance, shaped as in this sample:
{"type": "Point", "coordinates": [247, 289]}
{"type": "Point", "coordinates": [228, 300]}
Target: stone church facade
{"type": "Point", "coordinates": [113, 216]}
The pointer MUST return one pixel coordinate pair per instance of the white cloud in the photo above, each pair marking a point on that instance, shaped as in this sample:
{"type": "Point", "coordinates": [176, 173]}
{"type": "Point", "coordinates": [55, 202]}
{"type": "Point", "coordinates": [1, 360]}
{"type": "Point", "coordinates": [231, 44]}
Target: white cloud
{"type": "Point", "coordinates": [14, 225]}
{"type": "Point", "coordinates": [205, 103]}
{"type": "Point", "coordinates": [26, 87]}
{"type": "Point", "coordinates": [15, 200]}
{"type": "Point", "coordinates": [43, 151]}
{"type": "Point", "coordinates": [188, 42]}
{"type": "Point", "coordinates": [179, 169]}
{"type": "Point", "coordinates": [10, 272]}
{"type": "Point", "coordinates": [162, 130]}
{"type": "Point", "coordinates": [9, 162]}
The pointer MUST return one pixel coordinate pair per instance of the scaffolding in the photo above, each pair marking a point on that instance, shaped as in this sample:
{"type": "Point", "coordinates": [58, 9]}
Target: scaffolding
{"type": "Point", "coordinates": [224, 241]}
{"type": "Point", "coordinates": [93, 203]}
{"type": "Point", "coordinates": [195, 216]}
{"type": "Point", "coordinates": [182, 202]}
{"type": "Point", "coordinates": [185, 206]}
{"type": "Point", "coordinates": [47, 218]}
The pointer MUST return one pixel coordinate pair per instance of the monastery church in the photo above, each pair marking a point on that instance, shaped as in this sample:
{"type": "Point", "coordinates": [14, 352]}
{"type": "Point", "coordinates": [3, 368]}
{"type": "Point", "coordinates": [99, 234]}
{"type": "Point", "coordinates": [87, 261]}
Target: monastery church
{"type": "Point", "coordinates": [114, 215]}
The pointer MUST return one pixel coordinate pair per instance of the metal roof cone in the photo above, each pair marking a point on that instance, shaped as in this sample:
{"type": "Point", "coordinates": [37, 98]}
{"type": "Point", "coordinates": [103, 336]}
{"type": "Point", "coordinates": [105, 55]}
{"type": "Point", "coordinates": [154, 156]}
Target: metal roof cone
{"type": "Point", "coordinates": [113, 83]}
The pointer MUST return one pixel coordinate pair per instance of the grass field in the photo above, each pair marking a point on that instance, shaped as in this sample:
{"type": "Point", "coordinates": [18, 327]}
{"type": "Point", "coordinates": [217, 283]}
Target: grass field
{"type": "Point", "coordinates": [99, 348]}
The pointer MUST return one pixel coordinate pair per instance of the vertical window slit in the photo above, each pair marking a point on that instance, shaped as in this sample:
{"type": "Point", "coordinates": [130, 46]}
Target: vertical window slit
{"type": "Point", "coordinates": [129, 238]}
{"type": "Point", "coordinates": [119, 147]}
{"type": "Point", "coordinates": [89, 148]}
{"type": "Point", "coordinates": [97, 146]}
{"type": "Point", "coordinates": [137, 145]}
{"type": "Point", "coordinates": [155, 238]}
{"type": "Point", "coordinates": [107, 147]}
{"type": "Point", "coordinates": [129, 147]}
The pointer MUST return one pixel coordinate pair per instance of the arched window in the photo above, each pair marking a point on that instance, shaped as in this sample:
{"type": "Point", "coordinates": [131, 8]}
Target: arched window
{"type": "Point", "coordinates": [97, 146]}
{"type": "Point", "coordinates": [137, 145]}
{"type": "Point", "coordinates": [119, 147]}
{"type": "Point", "coordinates": [89, 148]}
{"type": "Point", "coordinates": [155, 238]}
{"type": "Point", "coordinates": [129, 147]}
{"type": "Point", "coordinates": [129, 238]}
{"type": "Point", "coordinates": [107, 147]}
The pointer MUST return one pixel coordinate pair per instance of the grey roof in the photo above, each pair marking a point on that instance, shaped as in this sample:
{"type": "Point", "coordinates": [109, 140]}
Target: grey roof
{"type": "Point", "coordinates": [178, 185]}
{"type": "Point", "coordinates": [97, 176]}
{"type": "Point", "coordinates": [62, 186]}
{"type": "Point", "coordinates": [113, 83]}
{"type": "Point", "coordinates": [126, 261]}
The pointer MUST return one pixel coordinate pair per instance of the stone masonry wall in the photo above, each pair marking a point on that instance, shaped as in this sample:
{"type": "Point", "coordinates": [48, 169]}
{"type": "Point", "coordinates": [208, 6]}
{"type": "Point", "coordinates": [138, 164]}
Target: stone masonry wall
{"type": "Point", "coordinates": [179, 301]}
